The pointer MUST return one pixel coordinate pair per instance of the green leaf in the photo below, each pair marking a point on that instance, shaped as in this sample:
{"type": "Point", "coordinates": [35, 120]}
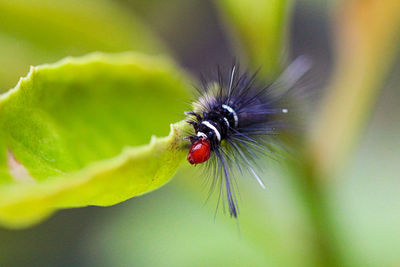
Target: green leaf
{"type": "Point", "coordinates": [63, 127]}
{"type": "Point", "coordinates": [260, 30]}
{"type": "Point", "coordinates": [38, 31]}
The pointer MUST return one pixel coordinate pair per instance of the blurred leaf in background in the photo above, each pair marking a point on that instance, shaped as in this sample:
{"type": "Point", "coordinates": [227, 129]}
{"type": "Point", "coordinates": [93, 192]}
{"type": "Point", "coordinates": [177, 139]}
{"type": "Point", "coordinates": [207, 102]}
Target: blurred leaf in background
{"type": "Point", "coordinates": [41, 31]}
{"type": "Point", "coordinates": [367, 34]}
{"type": "Point", "coordinates": [259, 31]}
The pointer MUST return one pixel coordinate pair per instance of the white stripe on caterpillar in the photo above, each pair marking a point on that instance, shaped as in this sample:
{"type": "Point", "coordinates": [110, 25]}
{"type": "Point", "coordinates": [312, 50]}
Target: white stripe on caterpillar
{"type": "Point", "coordinates": [209, 125]}
{"type": "Point", "coordinates": [200, 134]}
{"type": "Point", "coordinates": [235, 117]}
{"type": "Point", "coordinates": [227, 122]}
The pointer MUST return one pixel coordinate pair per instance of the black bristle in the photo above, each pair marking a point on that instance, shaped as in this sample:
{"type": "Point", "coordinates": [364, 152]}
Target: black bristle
{"type": "Point", "coordinates": [241, 119]}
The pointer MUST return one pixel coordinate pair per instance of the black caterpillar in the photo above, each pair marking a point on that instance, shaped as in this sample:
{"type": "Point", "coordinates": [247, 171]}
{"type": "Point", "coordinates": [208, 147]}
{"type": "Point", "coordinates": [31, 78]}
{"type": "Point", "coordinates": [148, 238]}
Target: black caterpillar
{"type": "Point", "coordinates": [235, 121]}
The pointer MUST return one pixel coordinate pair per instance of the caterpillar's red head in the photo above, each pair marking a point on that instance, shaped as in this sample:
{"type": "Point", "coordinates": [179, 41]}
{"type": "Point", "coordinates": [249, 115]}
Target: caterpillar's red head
{"type": "Point", "coordinates": [199, 151]}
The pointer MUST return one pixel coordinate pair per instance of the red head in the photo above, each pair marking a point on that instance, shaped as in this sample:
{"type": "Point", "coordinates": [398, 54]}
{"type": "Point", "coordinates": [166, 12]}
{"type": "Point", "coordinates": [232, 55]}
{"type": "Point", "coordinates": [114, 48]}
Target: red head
{"type": "Point", "coordinates": [199, 151]}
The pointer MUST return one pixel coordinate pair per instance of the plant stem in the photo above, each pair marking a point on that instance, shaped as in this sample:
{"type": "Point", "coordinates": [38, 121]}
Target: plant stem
{"type": "Point", "coordinates": [317, 212]}
{"type": "Point", "coordinates": [366, 33]}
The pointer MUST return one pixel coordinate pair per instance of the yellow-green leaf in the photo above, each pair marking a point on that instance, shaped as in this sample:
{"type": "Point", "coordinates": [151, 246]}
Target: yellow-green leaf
{"type": "Point", "coordinates": [76, 133]}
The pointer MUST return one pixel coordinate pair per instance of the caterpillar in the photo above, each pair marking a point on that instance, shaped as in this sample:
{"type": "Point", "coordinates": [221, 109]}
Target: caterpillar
{"type": "Point", "coordinates": [236, 120]}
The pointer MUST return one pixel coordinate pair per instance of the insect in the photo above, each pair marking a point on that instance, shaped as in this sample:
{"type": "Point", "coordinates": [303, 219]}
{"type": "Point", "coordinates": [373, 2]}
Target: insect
{"type": "Point", "coordinates": [236, 120]}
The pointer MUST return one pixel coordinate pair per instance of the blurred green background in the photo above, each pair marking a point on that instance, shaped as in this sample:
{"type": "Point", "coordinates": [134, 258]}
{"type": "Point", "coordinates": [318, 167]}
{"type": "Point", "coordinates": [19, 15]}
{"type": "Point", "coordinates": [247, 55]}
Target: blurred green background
{"type": "Point", "coordinates": [172, 226]}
